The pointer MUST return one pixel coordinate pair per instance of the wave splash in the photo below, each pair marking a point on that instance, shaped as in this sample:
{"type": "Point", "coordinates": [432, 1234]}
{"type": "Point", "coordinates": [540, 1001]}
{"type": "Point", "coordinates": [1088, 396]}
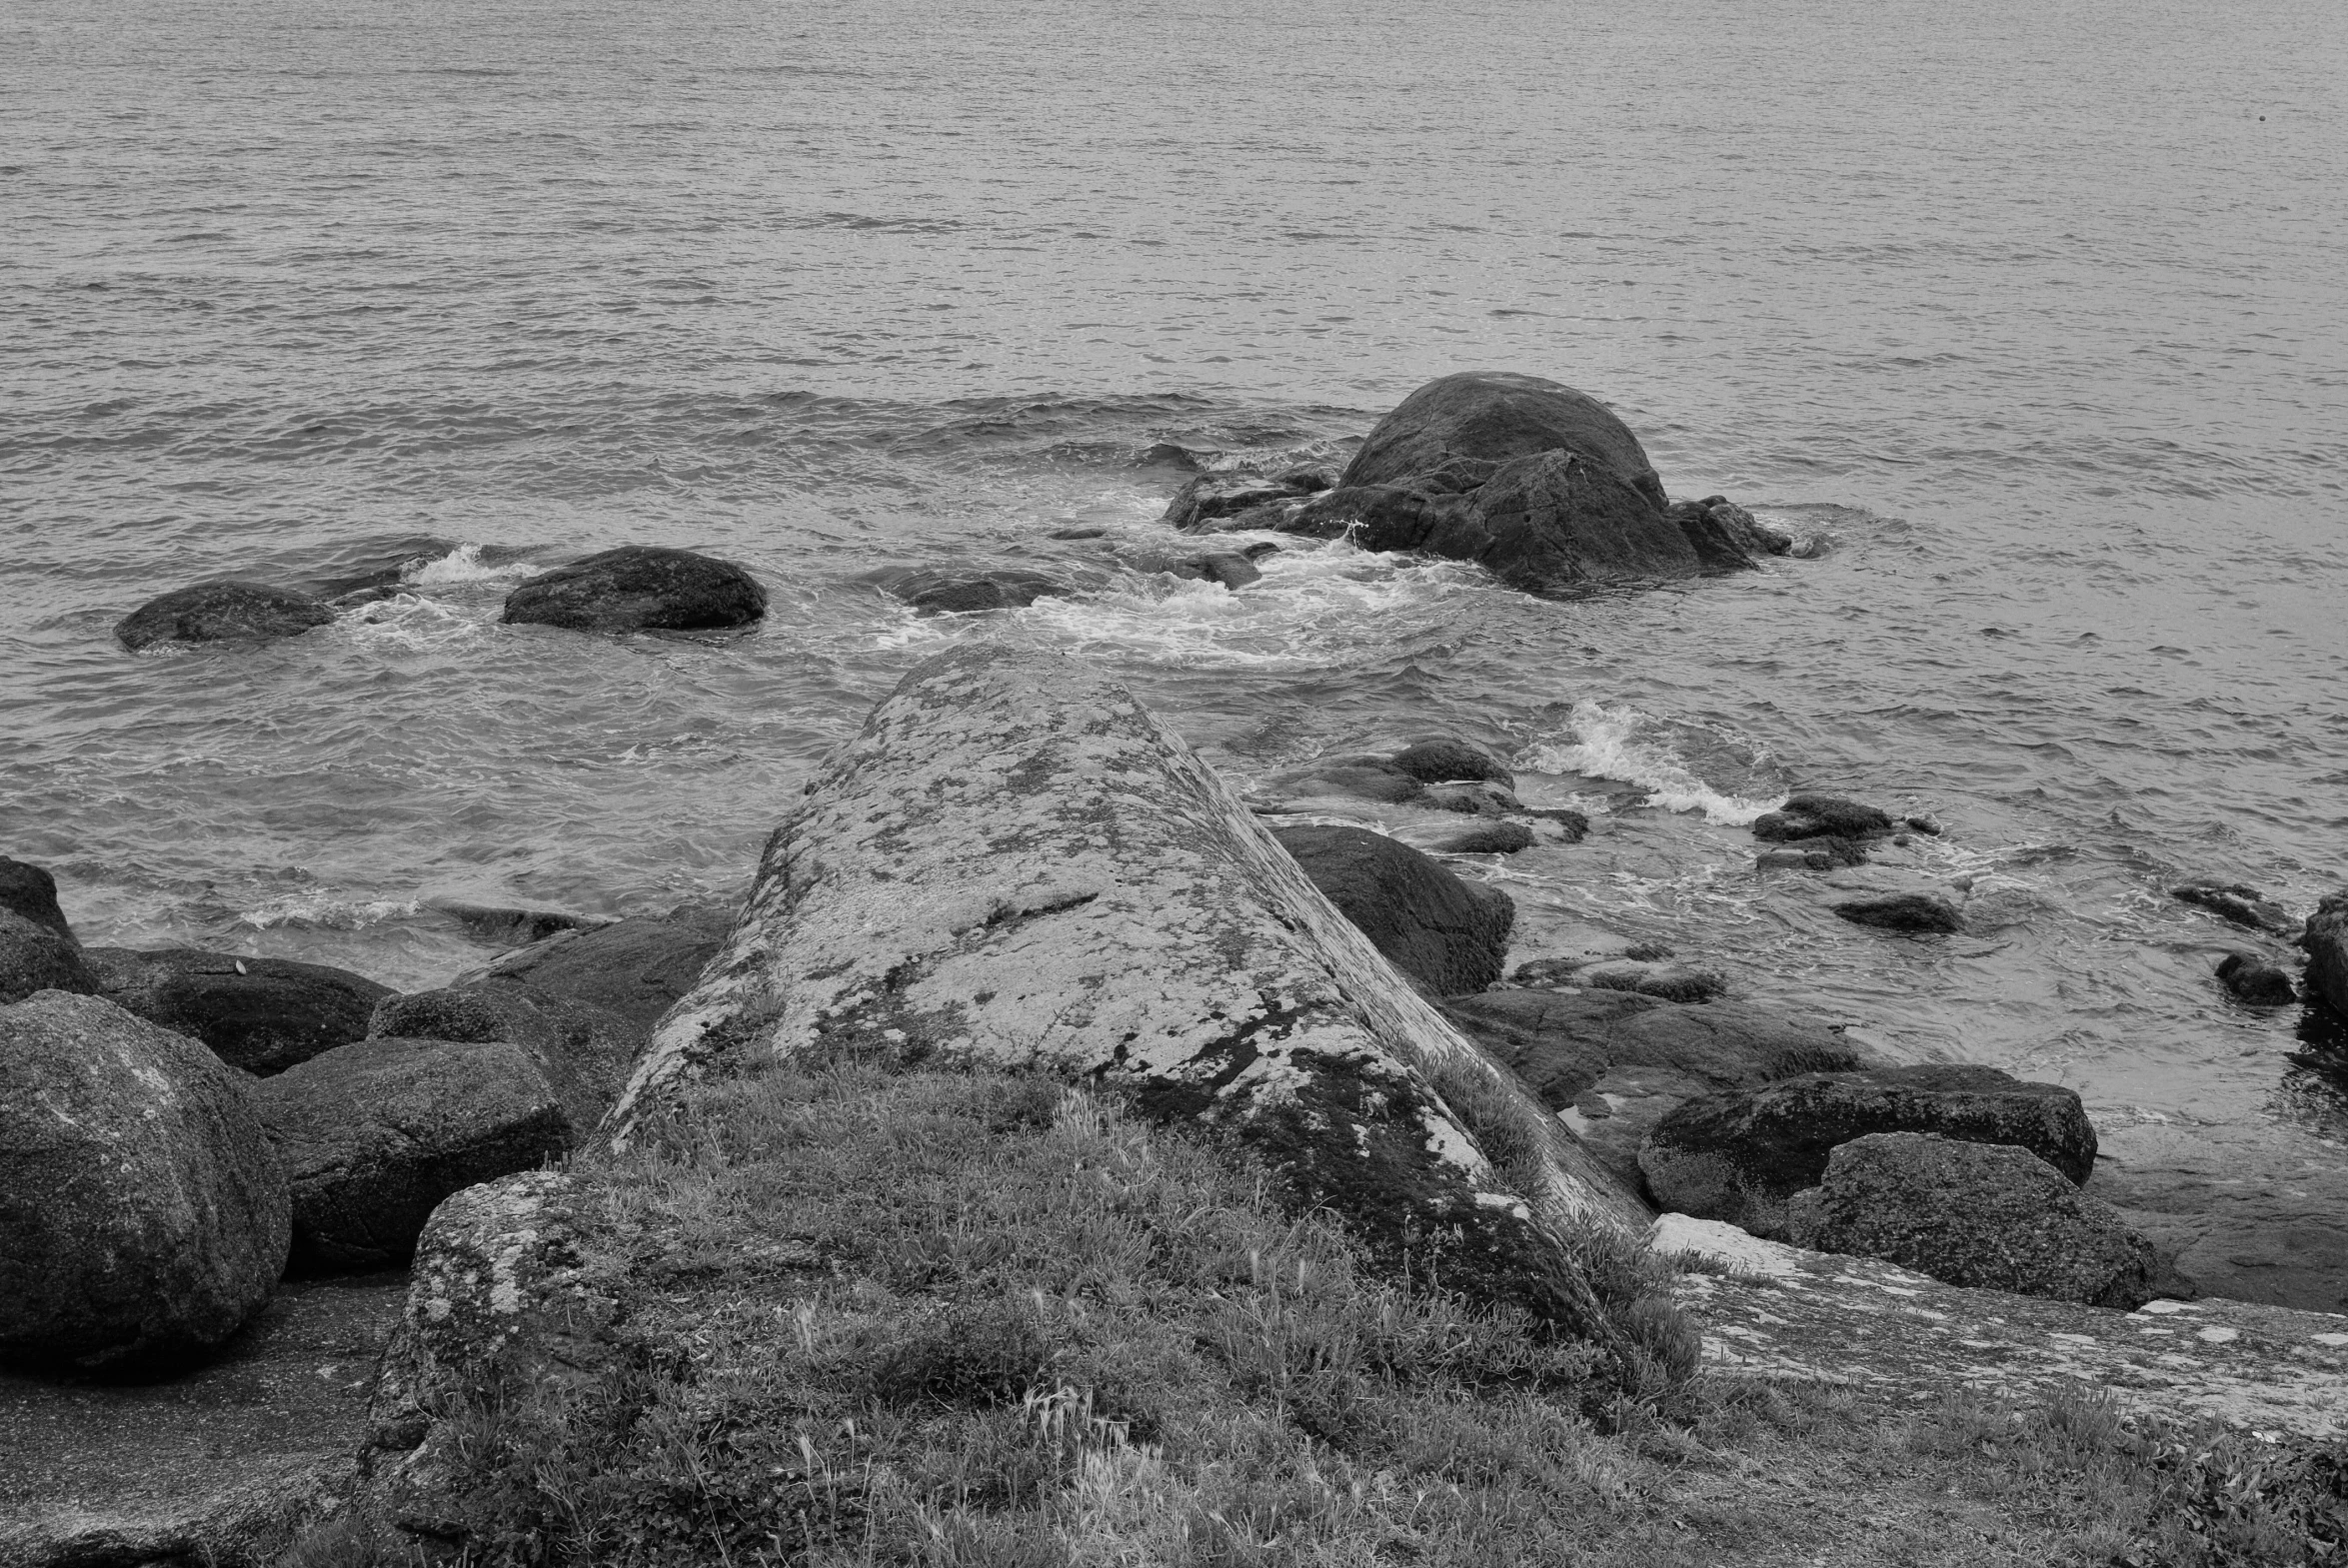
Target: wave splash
{"type": "Point", "coordinates": [1668, 758]}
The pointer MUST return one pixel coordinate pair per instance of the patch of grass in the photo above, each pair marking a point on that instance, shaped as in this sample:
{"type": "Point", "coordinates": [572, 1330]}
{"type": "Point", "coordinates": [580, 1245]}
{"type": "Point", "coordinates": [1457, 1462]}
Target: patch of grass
{"type": "Point", "coordinates": [981, 1322]}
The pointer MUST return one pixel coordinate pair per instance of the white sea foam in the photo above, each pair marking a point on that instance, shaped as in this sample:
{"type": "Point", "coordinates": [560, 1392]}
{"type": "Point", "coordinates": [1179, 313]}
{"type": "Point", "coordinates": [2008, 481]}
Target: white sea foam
{"type": "Point", "coordinates": [462, 565]}
{"type": "Point", "coordinates": [324, 912]}
{"type": "Point", "coordinates": [1616, 741]}
{"type": "Point", "coordinates": [409, 621]}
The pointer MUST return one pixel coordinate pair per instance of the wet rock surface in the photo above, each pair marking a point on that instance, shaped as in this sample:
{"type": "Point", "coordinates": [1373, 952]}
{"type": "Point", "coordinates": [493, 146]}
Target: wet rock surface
{"type": "Point", "coordinates": [261, 1015]}
{"type": "Point", "coordinates": [511, 928]}
{"type": "Point", "coordinates": [1015, 863]}
{"type": "Point", "coordinates": [942, 591]}
{"type": "Point", "coordinates": [222, 612]}
{"type": "Point", "coordinates": [2325, 943]}
{"type": "Point", "coordinates": [633, 969]}
{"type": "Point", "coordinates": [143, 1213]}
{"type": "Point", "coordinates": [1223, 500]}
{"type": "Point", "coordinates": [1739, 1156]}
{"type": "Point", "coordinates": [1985, 1215]}
{"type": "Point", "coordinates": [374, 1134]}
{"type": "Point", "coordinates": [1448, 758]}
{"type": "Point", "coordinates": [1823, 817]}
{"type": "Point", "coordinates": [639, 587]}
{"type": "Point", "coordinates": [1918, 913]}
{"type": "Point", "coordinates": [33, 957]}
{"type": "Point", "coordinates": [1492, 417]}
{"type": "Point", "coordinates": [2237, 905]}
{"type": "Point", "coordinates": [2253, 981]}
{"type": "Point", "coordinates": [30, 892]}
{"type": "Point", "coordinates": [1445, 934]}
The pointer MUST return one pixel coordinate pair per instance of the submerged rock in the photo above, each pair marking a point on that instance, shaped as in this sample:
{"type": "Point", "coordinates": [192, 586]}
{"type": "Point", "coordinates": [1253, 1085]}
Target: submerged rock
{"type": "Point", "coordinates": [943, 590]}
{"type": "Point", "coordinates": [2250, 979]}
{"type": "Point", "coordinates": [143, 1214]}
{"type": "Point", "coordinates": [1739, 1156]}
{"type": "Point", "coordinates": [1447, 758]}
{"type": "Point", "coordinates": [1148, 934]}
{"type": "Point", "coordinates": [2238, 905]}
{"type": "Point", "coordinates": [1986, 1216]}
{"type": "Point", "coordinates": [509, 927]}
{"type": "Point", "coordinates": [222, 612]}
{"type": "Point", "coordinates": [1444, 932]}
{"type": "Point", "coordinates": [374, 1135]}
{"type": "Point", "coordinates": [1823, 817]}
{"type": "Point", "coordinates": [261, 1015]}
{"type": "Point", "coordinates": [35, 958]}
{"type": "Point", "coordinates": [639, 587]}
{"type": "Point", "coordinates": [2325, 941]}
{"type": "Point", "coordinates": [30, 892]}
{"type": "Point", "coordinates": [1902, 912]}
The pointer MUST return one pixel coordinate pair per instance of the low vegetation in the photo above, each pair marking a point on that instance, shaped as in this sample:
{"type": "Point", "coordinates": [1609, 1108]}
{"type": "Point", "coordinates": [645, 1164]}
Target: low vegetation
{"type": "Point", "coordinates": [983, 1321]}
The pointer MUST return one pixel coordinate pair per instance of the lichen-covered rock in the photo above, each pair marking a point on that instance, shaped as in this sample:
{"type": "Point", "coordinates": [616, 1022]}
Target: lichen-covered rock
{"type": "Point", "coordinates": [1015, 863]}
{"type": "Point", "coordinates": [633, 969]}
{"type": "Point", "coordinates": [374, 1134]}
{"type": "Point", "coordinates": [639, 587]}
{"type": "Point", "coordinates": [1447, 935]}
{"type": "Point", "coordinates": [261, 1015]}
{"type": "Point", "coordinates": [2325, 941]}
{"type": "Point", "coordinates": [30, 892]}
{"type": "Point", "coordinates": [1902, 912]}
{"type": "Point", "coordinates": [33, 957]}
{"type": "Point", "coordinates": [2253, 981]}
{"type": "Point", "coordinates": [143, 1214]}
{"type": "Point", "coordinates": [221, 612]}
{"type": "Point", "coordinates": [1986, 1216]}
{"type": "Point", "coordinates": [1739, 1156]}
{"type": "Point", "coordinates": [584, 1051]}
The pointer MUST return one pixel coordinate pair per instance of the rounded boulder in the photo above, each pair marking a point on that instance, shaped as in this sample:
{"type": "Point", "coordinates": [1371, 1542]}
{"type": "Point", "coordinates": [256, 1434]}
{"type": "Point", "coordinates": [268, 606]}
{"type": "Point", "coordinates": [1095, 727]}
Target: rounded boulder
{"type": "Point", "coordinates": [639, 587]}
{"type": "Point", "coordinates": [1490, 417]}
{"type": "Point", "coordinates": [1446, 934]}
{"type": "Point", "coordinates": [144, 1216]}
{"type": "Point", "coordinates": [220, 611]}
{"type": "Point", "coordinates": [261, 1015]}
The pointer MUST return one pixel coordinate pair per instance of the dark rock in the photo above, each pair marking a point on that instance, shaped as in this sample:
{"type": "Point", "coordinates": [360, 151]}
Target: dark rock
{"type": "Point", "coordinates": [142, 1212]}
{"type": "Point", "coordinates": [2249, 979]}
{"type": "Point", "coordinates": [639, 587]}
{"type": "Point", "coordinates": [35, 958]}
{"type": "Point", "coordinates": [584, 1051]}
{"type": "Point", "coordinates": [2237, 905]}
{"type": "Point", "coordinates": [2325, 941]}
{"type": "Point", "coordinates": [217, 612]}
{"type": "Point", "coordinates": [512, 927]}
{"type": "Point", "coordinates": [1363, 777]}
{"type": "Point", "coordinates": [1576, 824]}
{"type": "Point", "coordinates": [1488, 837]}
{"type": "Point", "coordinates": [1448, 759]}
{"type": "Point", "coordinates": [941, 592]}
{"type": "Point", "coordinates": [1739, 1156]}
{"type": "Point", "coordinates": [1812, 854]}
{"type": "Point", "coordinates": [1446, 934]}
{"type": "Point", "coordinates": [1078, 532]}
{"type": "Point", "coordinates": [1925, 825]}
{"type": "Point", "coordinates": [261, 1015]}
{"type": "Point", "coordinates": [1212, 497]}
{"type": "Point", "coordinates": [31, 892]}
{"type": "Point", "coordinates": [374, 1135]}
{"type": "Point", "coordinates": [1983, 1216]}
{"type": "Point", "coordinates": [1470, 799]}
{"type": "Point", "coordinates": [1902, 912]}
{"type": "Point", "coordinates": [1166, 455]}
{"type": "Point", "coordinates": [1647, 977]}
{"type": "Point", "coordinates": [1492, 417]}
{"type": "Point", "coordinates": [1231, 568]}
{"type": "Point", "coordinates": [1821, 816]}
{"type": "Point", "coordinates": [1306, 481]}
{"type": "Point", "coordinates": [632, 968]}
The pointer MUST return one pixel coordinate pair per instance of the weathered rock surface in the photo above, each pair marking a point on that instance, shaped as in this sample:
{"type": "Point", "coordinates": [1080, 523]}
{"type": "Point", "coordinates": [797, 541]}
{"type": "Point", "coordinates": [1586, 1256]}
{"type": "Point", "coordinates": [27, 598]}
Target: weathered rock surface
{"type": "Point", "coordinates": [142, 1212]}
{"type": "Point", "coordinates": [1821, 816]}
{"type": "Point", "coordinates": [1739, 1156]}
{"type": "Point", "coordinates": [1213, 500]}
{"type": "Point", "coordinates": [2250, 979]}
{"type": "Point", "coordinates": [1445, 934]}
{"type": "Point", "coordinates": [261, 1015]}
{"type": "Point", "coordinates": [374, 1134]}
{"type": "Point", "coordinates": [583, 1051]}
{"type": "Point", "coordinates": [222, 1465]}
{"type": "Point", "coordinates": [632, 968]}
{"type": "Point", "coordinates": [1902, 912]}
{"type": "Point", "coordinates": [1613, 1064]}
{"type": "Point", "coordinates": [1986, 1216]}
{"type": "Point", "coordinates": [937, 591]}
{"type": "Point", "coordinates": [2325, 941]}
{"type": "Point", "coordinates": [33, 957]}
{"type": "Point", "coordinates": [30, 892]}
{"type": "Point", "coordinates": [1014, 863]}
{"type": "Point", "coordinates": [639, 587]}
{"type": "Point", "coordinates": [2238, 905]}
{"type": "Point", "coordinates": [220, 611]}
{"type": "Point", "coordinates": [1783, 1313]}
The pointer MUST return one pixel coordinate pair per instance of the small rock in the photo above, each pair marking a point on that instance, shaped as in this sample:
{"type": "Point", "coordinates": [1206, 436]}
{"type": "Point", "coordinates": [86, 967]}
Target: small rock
{"type": "Point", "coordinates": [1983, 1216]}
{"type": "Point", "coordinates": [31, 892]}
{"type": "Point", "coordinates": [957, 592]}
{"type": "Point", "coordinates": [639, 587]}
{"type": "Point", "coordinates": [584, 1050]}
{"type": "Point", "coordinates": [1078, 532]}
{"type": "Point", "coordinates": [219, 612]}
{"type": "Point", "coordinates": [34, 957]}
{"type": "Point", "coordinates": [1902, 912]}
{"type": "Point", "coordinates": [1446, 934]}
{"type": "Point", "coordinates": [1212, 497]}
{"type": "Point", "coordinates": [1925, 826]}
{"type": "Point", "coordinates": [2249, 979]}
{"type": "Point", "coordinates": [1491, 838]}
{"type": "Point", "coordinates": [1450, 760]}
{"type": "Point", "coordinates": [2325, 941]}
{"type": "Point", "coordinates": [1574, 824]}
{"type": "Point", "coordinates": [374, 1135]}
{"type": "Point", "coordinates": [2237, 905]}
{"type": "Point", "coordinates": [1821, 816]}
{"type": "Point", "coordinates": [1471, 799]}
{"type": "Point", "coordinates": [1166, 455]}
{"type": "Point", "coordinates": [143, 1215]}
{"type": "Point", "coordinates": [261, 1015]}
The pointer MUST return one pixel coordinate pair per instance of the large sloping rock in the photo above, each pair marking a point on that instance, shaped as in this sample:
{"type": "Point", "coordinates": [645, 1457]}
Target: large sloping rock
{"type": "Point", "coordinates": [639, 587]}
{"type": "Point", "coordinates": [1446, 933]}
{"type": "Point", "coordinates": [143, 1214]}
{"type": "Point", "coordinates": [221, 612]}
{"type": "Point", "coordinates": [1015, 863]}
{"type": "Point", "coordinates": [261, 1015]}
{"type": "Point", "coordinates": [33, 957]}
{"type": "Point", "coordinates": [1774, 1312]}
{"type": "Point", "coordinates": [2326, 944]}
{"type": "Point", "coordinates": [1989, 1216]}
{"type": "Point", "coordinates": [1739, 1156]}
{"type": "Point", "coordinates": [374, 1134]}
{"type": "Point", "coordinates": [634, 969]}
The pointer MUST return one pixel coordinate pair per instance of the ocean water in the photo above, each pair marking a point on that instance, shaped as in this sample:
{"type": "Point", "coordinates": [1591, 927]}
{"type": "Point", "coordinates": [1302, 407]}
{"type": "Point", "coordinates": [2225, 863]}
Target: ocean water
{"type": "Point", "coordinates": [2038, 311]}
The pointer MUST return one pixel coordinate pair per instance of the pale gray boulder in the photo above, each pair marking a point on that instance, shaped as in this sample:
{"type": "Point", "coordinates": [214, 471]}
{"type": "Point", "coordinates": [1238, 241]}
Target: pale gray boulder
{"type": "Point", "coordinates": [1015, 863]}
{"type": "Point", "coordinates": [143, 1214]}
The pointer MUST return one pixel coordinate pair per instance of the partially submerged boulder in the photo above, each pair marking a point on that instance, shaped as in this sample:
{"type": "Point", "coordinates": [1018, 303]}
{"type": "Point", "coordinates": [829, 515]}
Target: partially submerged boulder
{"type": "Point", "coordinates": [2253, 981]}
{"type": "Point", "coordinates": [1739, 1156]}
{"type": "Point", "coordinates": [1490, 416]}
{"type": "Point", "coordinates": [510, 928]}
{"type": "Point", "coordinates": [1444, 932]}
{"type": "Point", "coordinates": [1810, 815]}
{"type": "Point", "coordinates": [2325, 941]}
{"type": "Point", "coordinates": [639, 587]}
{"type": "Point", "coordinates": [1487, 837]}
{"type": "Point", "coordinates": [1448, 759]}
{"type": "Point", "coordinates": [222, 612]}
{"type": "Point", "coordinates": [1902, 912]}
{"type": "Point", "coordinates": [1014, 863]}
{"type": "Point", "coordinates": [1986, 1216]}
{"type": "Point", "coordinates": [374, 1134]}
{"type": "Point", "coordinates": [143, 1214]}
{"type": "Point", "coordinates": [633, 969]}
{"type": "Point", "coordinates": [1240, 498]}
{"type": "Point", "coordinates": [33, 957]}
{"type": "Point", "coordinates": [261, 1015]}
{"type": "Point", "coordinates": [938, 590]}
{"type": "Point", "coordinates": [2237, 905]}
{"type": "Point", "coordinates": [29, 892]}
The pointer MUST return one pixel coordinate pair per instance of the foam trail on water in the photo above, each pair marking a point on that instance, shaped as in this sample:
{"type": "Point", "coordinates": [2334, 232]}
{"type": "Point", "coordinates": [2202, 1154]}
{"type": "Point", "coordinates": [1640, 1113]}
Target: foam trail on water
{"type": "Point", "coordinates": [1616, 741]}
{"type": "Point", "coordinates": [462, 565]}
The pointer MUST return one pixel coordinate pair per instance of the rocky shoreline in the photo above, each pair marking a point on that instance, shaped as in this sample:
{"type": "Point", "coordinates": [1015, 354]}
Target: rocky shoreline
{"type": "Point", "coordinates": [1014, 864]}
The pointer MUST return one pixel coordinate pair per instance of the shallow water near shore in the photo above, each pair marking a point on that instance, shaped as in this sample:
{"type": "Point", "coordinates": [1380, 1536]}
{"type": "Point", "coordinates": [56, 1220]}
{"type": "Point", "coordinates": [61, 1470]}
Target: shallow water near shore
{"type": "Point", "coordinates": [2037, 315]}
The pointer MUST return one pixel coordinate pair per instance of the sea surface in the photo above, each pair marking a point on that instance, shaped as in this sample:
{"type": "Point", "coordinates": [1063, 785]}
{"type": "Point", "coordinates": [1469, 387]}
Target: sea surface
{"type": "Point", "coordinates": [2038, 311]}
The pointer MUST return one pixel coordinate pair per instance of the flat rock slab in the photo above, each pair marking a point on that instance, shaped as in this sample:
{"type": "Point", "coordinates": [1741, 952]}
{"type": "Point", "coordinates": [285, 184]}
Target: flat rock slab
{"type": "Point", "coordinates": [1783, 1313]}
{"type": "Point", "coordinates": [222, 1465]}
